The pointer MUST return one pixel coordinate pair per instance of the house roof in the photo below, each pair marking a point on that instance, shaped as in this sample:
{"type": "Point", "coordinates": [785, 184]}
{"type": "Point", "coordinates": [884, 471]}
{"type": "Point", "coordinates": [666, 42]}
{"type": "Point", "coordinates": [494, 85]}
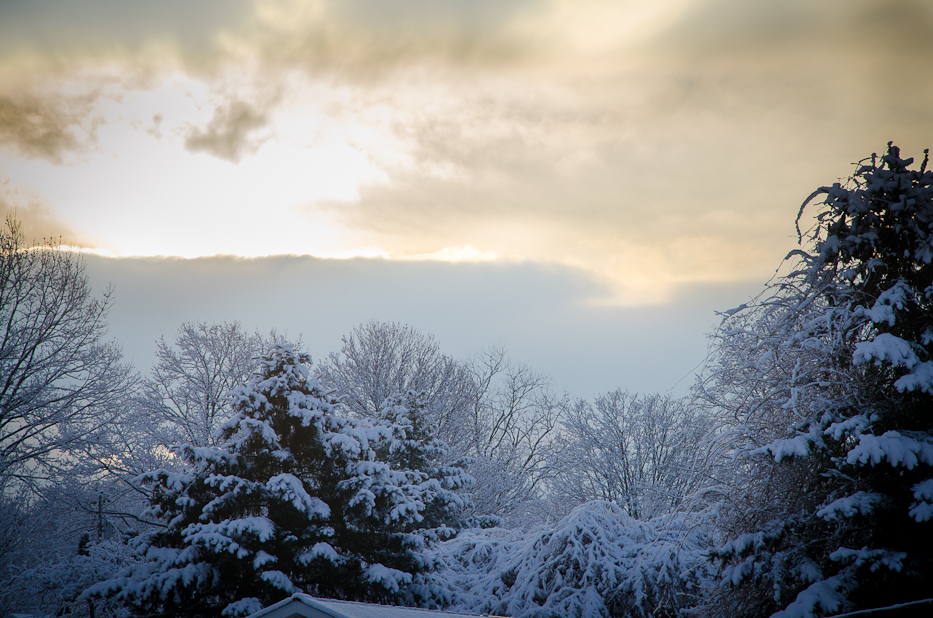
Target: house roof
{"type": "Point", "coordinates": [305, 606]}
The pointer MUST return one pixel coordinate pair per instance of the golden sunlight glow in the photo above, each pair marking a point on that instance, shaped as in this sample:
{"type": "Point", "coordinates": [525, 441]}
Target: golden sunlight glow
{"type": "Point", "coordinates": [650, 145]}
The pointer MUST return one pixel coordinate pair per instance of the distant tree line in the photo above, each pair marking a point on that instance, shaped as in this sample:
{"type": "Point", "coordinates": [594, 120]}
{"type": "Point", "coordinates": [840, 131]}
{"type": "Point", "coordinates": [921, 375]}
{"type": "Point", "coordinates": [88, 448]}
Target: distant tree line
{"type": "Point", "coordinates": [794, 479]}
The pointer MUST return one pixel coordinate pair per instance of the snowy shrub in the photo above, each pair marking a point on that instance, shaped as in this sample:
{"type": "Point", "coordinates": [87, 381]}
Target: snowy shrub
{"type": "Point", "coordinates": [595, 562]}
{"type": "Point", "coordinates": [55, 589]}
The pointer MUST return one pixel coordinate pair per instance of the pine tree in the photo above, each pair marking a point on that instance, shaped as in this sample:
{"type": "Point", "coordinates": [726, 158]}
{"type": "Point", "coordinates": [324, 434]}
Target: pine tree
{"type": "Point", "coordinates": [829, 379]}
{"type": "Point", "coordinates": [293, 500]}
{"type": "Point", "coordinates": [410, 444]}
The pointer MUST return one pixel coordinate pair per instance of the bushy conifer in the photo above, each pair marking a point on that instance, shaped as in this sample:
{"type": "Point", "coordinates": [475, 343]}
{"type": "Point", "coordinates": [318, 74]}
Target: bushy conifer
{"type": "Point", "coordinates": [294, 499]}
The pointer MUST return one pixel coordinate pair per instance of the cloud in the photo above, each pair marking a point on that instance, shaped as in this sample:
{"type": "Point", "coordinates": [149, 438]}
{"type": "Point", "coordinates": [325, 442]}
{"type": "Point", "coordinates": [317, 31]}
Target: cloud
{"type": "Point", "coordinates": [65, 32]}
{"type": "Point", "coordinates": [61, 62]}
{"type": "Point", "coordinates": [230, 133]}
{"type": "Point", "coordinates": [365, 40]}
{"type": "Point", "coordinates": [653, 144]}
{"type": "Point", "coordinates": [528, 171]}
{"type": "Point", "coordinates": [39, 222]}
{"type": "Point", "coordinates": [353, 39]}
{"type": "Point", "coordinates": [669, 158]}
{"type": "Point", "coordinates": [540, 313]}
{"type": "Point", "coordinates": [761, 26]}
{"type": "Point", "coordinates": [825, 57]}
{"type": "Point", "coordinates": [46, 127]}
{"type": "Point", "coordinates": [372, 39]}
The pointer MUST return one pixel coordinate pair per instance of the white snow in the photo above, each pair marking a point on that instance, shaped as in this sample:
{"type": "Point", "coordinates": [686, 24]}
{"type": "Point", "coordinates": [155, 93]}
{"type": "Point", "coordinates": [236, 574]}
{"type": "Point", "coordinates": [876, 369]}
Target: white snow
{"type": "Point", "coordinates": [920, 377]}
{"type": "Point", "coordinates": [922, 509]}
{"type": "Point", "coordinates": [594, 558]}
{"type": "Point", "coordinates": [243, 607]}
{"type": "Point", "coordinates": [891, 446]}
{"type": "Point", "coordinates": [391, 579]}
{"type": "Point", "coordinates": [887, 301]}
{"type": "Point", "coordinates": [823, 595]}
{"type": "Point", "coordinates": [263, 558]}
{"type": "Point", "coordinates": [280, 580]}
{"type": "Point", "coordinates": [798, 446]}
{"type": "Point", "coordinates": [290, 488]}
{"type": "Point", "coordinates": [885, 348]}
{"type": "Point", "coordinates": [857, 557]}
{"type": "Point", "coordinates": [860, 502]}
{"type": "Point", "coordinates": [321, 550]}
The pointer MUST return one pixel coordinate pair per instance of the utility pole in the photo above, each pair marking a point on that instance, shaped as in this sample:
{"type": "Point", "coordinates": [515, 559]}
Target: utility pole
{"type": "Point", "coordinates": [100, 534]}
{"type": "Point", "coordinates": [100, 516]}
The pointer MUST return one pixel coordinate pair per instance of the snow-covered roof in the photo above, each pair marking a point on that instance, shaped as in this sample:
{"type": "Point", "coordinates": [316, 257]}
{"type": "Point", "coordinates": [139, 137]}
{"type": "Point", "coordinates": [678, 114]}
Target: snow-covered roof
{"type": "Point", "coordinates": [306, 606]}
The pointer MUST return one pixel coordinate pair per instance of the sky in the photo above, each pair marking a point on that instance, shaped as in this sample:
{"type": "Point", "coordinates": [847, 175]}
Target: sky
{"type": "Point", "coordinates": [582, 182]}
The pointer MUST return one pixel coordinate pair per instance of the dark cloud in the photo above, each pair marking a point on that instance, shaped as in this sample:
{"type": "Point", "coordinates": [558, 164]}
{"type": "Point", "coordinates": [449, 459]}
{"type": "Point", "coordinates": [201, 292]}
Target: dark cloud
{"type": "Point", "coordinates": [830, 59]}
{"type": "Point", "coordinates": [540, 314]}
{"type": "Point", "coordinates": [366, 41]}
{"type": "Point", "coordinates": [455, 31]}
{"type": "Point", "coordinates": [351, 38]}
{"type": "Point", "coordinates": [890, 27]}
{"type": "Point", "coordinates": [155, 130]}
{"type": "Point", "coordinates": [475, 16]}
{"type": "Point", "coordinates": [879, 28]}
{"type": "Point", "coordinates": [61, 28]}
{"type": "Point", "coordinates": [46, 127]}
{"type": "Point", "coordinates": [231, 132]}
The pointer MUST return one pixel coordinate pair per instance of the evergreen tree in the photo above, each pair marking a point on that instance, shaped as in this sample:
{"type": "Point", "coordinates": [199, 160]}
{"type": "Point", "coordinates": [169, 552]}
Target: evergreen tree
{"type": "Point", "coordinates": [829, 380]}
{"type": "Point", "coordinates": [410, 444]}
{"type": "Point", "coordinates": [293, 500]}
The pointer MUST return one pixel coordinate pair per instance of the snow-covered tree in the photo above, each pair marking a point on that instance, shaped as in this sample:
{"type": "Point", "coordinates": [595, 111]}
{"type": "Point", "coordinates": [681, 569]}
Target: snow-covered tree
{"type": "Point", "coordinates": [61, 383]}
{"type": "Point", "coordinates": [597, 562]}
{"type": "Point", "coordinates": [380, 359]}
{"type": "Point", "coordinates": [500, 414]}
{"type": "Point", "coordinates": [182, 401]}
{"type": "Point", "coordinates": [62, 390]}
{"type": "Point", "coordinates": [640, 452]}
{"type": "Point", "coordinates": [514, 427]}
{"type": "Point", "coordinates": [184, 398]}
{"type": "Point", "coordinates": [293, 499]}
{"type": "Point", "coordinates": [410, 445]}
{"type": "Point", "coordinates": [828, 380]}
{"type": "Point", "coordinates": [55, 585]}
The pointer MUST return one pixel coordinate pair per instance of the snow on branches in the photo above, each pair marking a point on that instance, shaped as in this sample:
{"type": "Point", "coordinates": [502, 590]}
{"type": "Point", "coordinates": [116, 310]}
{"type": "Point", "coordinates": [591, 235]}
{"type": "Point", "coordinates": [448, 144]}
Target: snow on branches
{"type": "Point", "coordinates": [827, 381]}
{"type": "Point", "coordinates": [294, 498]}
{"type": "Point", "coordinates": [596, 562]}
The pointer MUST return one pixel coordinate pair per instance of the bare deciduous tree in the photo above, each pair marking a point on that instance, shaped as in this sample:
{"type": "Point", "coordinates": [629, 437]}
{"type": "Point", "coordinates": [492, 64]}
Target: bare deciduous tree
{"type": "Point", "coordinates": [61, 384]}
{"type": "Point", "coordinates": [641, 452]}
{"type": "Point", "coordinates": [378, 360]}
{"type": "Point", "coordinates": [501, 415]}
{"type": "Point", "coordinates": [62, 389]}
{"type": "Point", "coordinates": [514, 422]}
{"type": "Point", "coordinates": [184, 399]}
